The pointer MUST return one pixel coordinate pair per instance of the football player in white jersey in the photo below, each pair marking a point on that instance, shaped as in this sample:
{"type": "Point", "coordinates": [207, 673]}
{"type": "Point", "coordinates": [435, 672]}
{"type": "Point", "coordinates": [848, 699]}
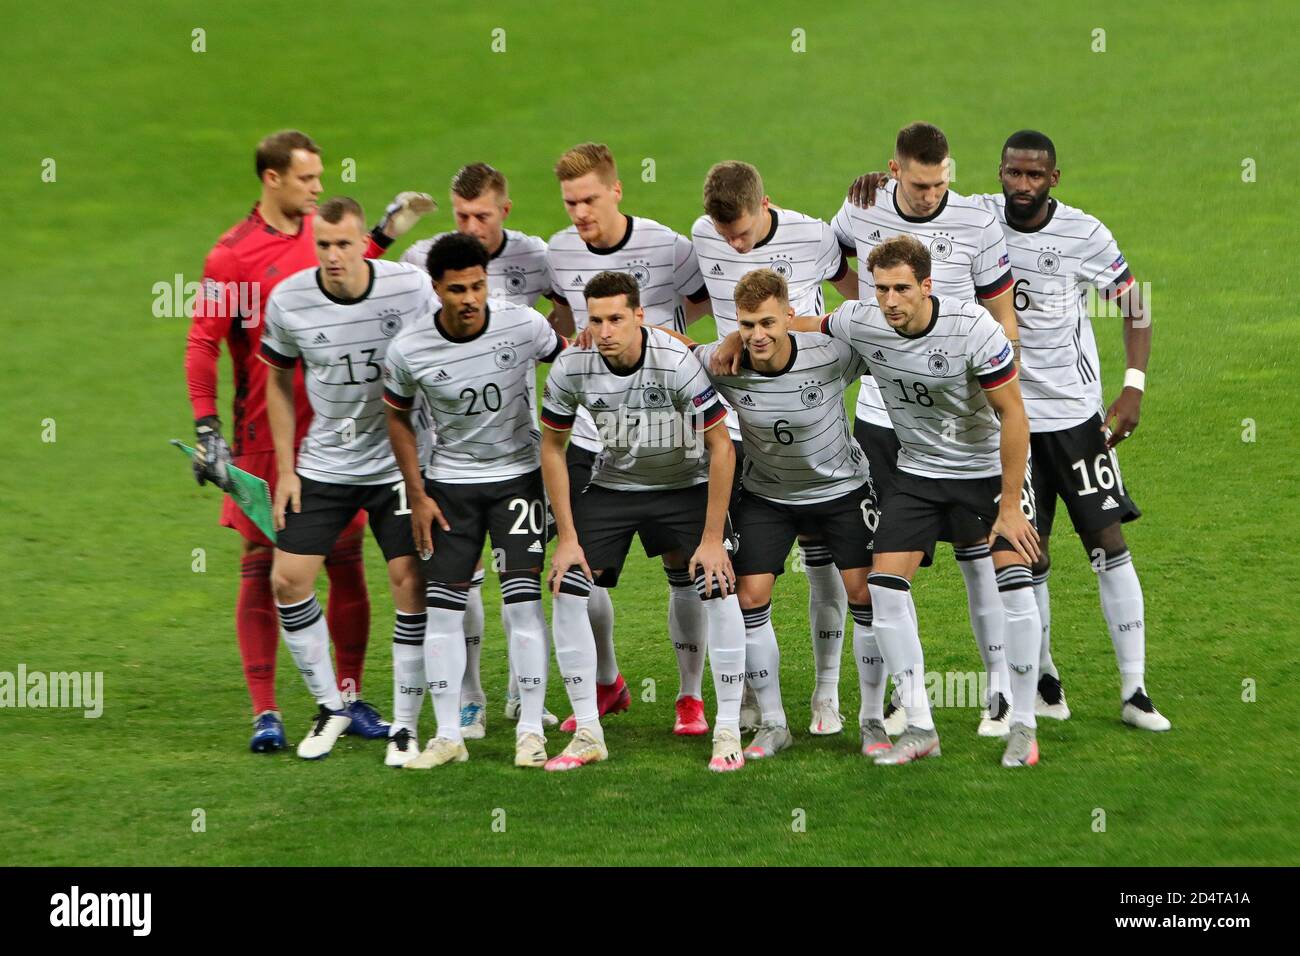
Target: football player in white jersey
{"type": "Point", "coordinates": [473, 364]}
{"type": "Point", "coordinates": [516, 273]}
{"type": "Point", "coordinates": [741, 231]}
{"type": "Point", "coordinates": [970, 262]}
{"type": "Point", "coordinates": [1057, 254]}
{"type": "Point", "coordinates": [672, 294]}
{"type": "Point", "coordinates": [338, 320]}
{"type": "Point", "coordinates": [664, 474]}
{"type": "Point", "coordinates": [803, 474]}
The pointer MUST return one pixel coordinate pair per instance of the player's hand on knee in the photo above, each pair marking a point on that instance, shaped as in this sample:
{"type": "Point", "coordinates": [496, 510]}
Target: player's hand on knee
{"type": "Point", "coordinates": [211, 453]}
{"type": "Point", "coordinates": [288, 494]}
{"type": "Point", "coordinates": [726, 357]}
{"type": "Point", "coordinates": [711, 558]}
{"type": "Point", "coordinates": [424, 512]}
{"type": "Point", "coordinates": [404, 212]}
{"type": "Point", "coordinates": [568, 554]}
{"type": "Point", "coordinates": [862, 192]}
{"type": "Point", "coordinates": [1016, 528]}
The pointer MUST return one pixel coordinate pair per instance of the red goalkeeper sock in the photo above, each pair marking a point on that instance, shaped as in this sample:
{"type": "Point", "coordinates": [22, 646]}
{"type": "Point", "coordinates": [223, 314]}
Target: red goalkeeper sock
{"type": "Point", "coordinates": [257, 628]}
{"type": "Point", "coordinates": [348, 612]}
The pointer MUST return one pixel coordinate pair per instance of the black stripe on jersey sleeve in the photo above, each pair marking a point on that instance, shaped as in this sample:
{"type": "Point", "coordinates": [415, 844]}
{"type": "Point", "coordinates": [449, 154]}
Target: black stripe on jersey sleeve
{"type": "Point", "coordinates": [998, 377]}
{"type": "Point", "coordinates": [842, 268]}
{"type": "Point", "coordinates": [847, 252]}
{"type": "Point", "coordinates": [556, 421]}
{"type": "Point", "coordinates": [710, 417]}
{"type": "Point", "coordinates": [1119, 286]}
{"type": "Point", "coordinates": [273, 358]}
{"type": "Point", "coordinates": [400, 402]}
{"type": "Point", "coordinates": [560, 346]}
{"type": "Point", "coordinates": [995, 289]}
{"type": "Point", "coordinates": [699, 295]}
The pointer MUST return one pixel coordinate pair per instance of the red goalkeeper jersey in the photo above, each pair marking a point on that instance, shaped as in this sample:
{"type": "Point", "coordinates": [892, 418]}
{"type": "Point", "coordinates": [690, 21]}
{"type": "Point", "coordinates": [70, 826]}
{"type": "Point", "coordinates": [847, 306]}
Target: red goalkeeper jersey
{"type": "Point", "coordinates": [238, 276]}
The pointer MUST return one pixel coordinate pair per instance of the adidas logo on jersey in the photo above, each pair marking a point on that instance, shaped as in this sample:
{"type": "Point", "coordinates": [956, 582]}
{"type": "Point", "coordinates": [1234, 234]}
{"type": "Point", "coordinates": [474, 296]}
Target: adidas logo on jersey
{"type": "Point", "coordinates": [878, 355]}
{"type": "Point", "coordinates": [746, 400]}
{"type": "Point", "coordinates": [535, 548]}
{"type": "Point", "coordinates": [577, 282]}
{"type": "Point", "coordinates": [442, 375]}
{"type": "Point", "coordinates": [716, 270]}
{"type": "Point", "coordinates": [599, 403]}
{"type": "Point", "coordinates": [1109, 504]}
{"type": "Point", "coordinates": [320, 339]}
{"type": "Point", "coordinates": [874, 237]}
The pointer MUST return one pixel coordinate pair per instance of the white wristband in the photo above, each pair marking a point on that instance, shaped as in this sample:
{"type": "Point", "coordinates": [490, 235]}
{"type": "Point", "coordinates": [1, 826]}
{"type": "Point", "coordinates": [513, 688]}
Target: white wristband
{"type": "Point", "coordinates": [1134, 378]}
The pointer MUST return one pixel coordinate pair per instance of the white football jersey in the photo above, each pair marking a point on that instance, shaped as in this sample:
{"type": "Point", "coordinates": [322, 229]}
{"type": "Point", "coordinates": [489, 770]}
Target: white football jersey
{"type": "Point", "coordinates": [342, 344]}
{"type": "Point", "coordinates": [516, 272]}
{"type": "Point", "coordinates": [968, 257]}
{"type": "Point", "coordinates": [477, 391]}
{"type": "Point", "coordinates": [662, 262]}
{"type": "Point", "coordinates": [801, 249]}
{"type": "Point", "coordinates": [798, 440]}
{"type": "Point", "coordinates": [933, 383]}
{"type": "Point", "coordinates": [649, 418]}
{"type": "Point", "coordinates": [1055, 265]}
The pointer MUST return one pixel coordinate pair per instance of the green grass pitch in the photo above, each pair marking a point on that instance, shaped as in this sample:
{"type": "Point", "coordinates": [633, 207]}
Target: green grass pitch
{"type": "Point", "coordinates": [151, 143]}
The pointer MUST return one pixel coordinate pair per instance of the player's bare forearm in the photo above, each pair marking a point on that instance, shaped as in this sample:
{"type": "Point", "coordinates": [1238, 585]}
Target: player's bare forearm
{"type": "Point", "coordinates": [1014, 447]}
{"type": "Point", "coordinates": [406, 449]}
{"type": "Point", "coordinates": [280, 415]}
{"type": "Point", "coordinates": [1003, 309]}
{"type": "Point", "coordinates": [555, 476]}
{"type": "Point", "coordinates": [722, 471]}
{"type": "Point", "coordinates": [562, 318]}
{"type": "Point", "coordinates": [806, 323]}
{"type": "Point", "coordinates": [847, 284]}
{"type": "Point", "coordinates": [1137, 328]}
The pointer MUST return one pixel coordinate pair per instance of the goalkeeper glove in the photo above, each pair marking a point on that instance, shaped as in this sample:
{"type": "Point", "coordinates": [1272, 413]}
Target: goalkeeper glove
{"type": "Point", "coordinates": [211, 453]}
{"type": "Point", "coordinates": [404, 212]}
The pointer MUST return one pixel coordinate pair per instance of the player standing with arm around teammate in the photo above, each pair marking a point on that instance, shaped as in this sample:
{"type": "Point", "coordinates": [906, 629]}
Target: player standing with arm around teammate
{"type": "Point", "coordinates": [338, 320]}
{"type": "Point", "coordinates": [951, 389]}
{"type": "Point", "coordinates": [672, 294]}
{"type": "Point", "coordinates": [803, 474]}
{"type": "Point", "coordinates": [649, 398]}
{"type": "Point", "coordinates": [273, 242]}
{"type": "Point", "coordinates": [473, 365]}
{"type": "Point", "coordinates": [740, 231]}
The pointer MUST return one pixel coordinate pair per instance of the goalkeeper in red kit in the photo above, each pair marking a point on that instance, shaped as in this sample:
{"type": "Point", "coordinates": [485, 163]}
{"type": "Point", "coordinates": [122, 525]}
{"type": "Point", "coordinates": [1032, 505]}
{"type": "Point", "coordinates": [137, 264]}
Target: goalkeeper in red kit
{"type": "Point", "coordinates": [273, 242]}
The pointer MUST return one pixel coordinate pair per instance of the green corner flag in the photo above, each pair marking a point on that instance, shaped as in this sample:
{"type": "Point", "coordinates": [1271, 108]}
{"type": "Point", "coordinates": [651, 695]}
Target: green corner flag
{"type": "Point", "coordinates": [251, 493]}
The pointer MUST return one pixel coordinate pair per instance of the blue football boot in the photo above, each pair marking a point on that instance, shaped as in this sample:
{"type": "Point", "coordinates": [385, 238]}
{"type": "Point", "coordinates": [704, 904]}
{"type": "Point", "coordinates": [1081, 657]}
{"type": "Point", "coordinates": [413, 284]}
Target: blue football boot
{"type": "Point", "coordinates": [268, 733]}
{"type": "Point", "coordinates": [366, 721]}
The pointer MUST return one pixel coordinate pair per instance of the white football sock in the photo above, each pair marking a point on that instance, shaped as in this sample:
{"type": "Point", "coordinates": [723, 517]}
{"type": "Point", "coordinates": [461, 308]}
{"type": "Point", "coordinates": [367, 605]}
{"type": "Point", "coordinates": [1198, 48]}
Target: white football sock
{"type": "Point", "coordinates": [1124, 609]}
{"type": "Point", "coordinates": [1024, 639]}
{"type": "Point", "coordinates": [828, 604]}
{"type": "Point", "coordinates": [408, 670]}
{"type": "Point", "coordinates": [600, 612]}
{"type": "Point", "coordinates": [444, 654]}
{"type": "Point", "coordinates": [521, 603]}
{"type": "Point", "coordinates": [763, 663]}
{"type": "Point", "coordinates": [726, 656]}
{"type": "Point", "coordinates": [1044, 601]}
{"type": "Point", "coordinates": [304, 629]}
{"type": "Point", "coordinates": [894, 623]}
{"type": "Point", "coordinates": [987, 619]}
{"type": "Point", "coordinates": [512, 684]}
{"type": "Point", "coordinates": [472, 687]}
{"type": "Point", "coordinates": [871, 664]}
{"type": "Point", "coordinates": [575, 648]}
{"type": "Point", "coordinates": [688, 631]}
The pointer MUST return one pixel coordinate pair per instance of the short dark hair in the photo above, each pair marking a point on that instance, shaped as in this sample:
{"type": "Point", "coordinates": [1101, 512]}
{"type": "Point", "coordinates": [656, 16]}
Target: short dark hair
{"type": "Point", "coordinates": [901, 251]}
{"type": "Point", "coordinates": [605, 285]}
{"type": "Point", "coordinates": [759, 285]}
{"type": "Point", "coordinates": [731, 190]}
{"type": "Point", "coordinates": [453, 252]}
{"type": "Point", "coordinates": [1031, 139]}
{"type": "Point", "coordinates": [333, 210]}
{"type": "Point", "coordinates": [922, 142]}
{"type": "Point", "coordinates": [474, 180]}
{"type": "Point", "coordinates": [276, 151]}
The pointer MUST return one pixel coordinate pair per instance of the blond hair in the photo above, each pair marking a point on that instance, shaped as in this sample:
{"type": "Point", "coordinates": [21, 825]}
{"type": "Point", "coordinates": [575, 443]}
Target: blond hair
{"type": "Point", "coordinates": [587, 158]}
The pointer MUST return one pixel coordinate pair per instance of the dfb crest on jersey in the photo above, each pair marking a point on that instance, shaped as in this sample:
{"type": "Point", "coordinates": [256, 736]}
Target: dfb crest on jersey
{"type": "Point", "coordinates": [731, 541]}
{"type": "Point", "coordinates": [1049, 262]}
{"type": "Point", "coordinates": [782, 267]}
{"type": "Point", "coordinates": [938, 364]}
{"type": "Point", "coordinates": [516, 280]}
{"type": "Point", "coordinates": [390, 323]}
{"type": "Point", "coordinates": [811, 396]}
{"type": "Point", "coordinates": [504, 357]}
{"type": "Point", "coordinates": [940, 248]}
{"type": "Point", "coordinates": [654, 397]}
{"type": "Point", "coordinates": [639, 269]}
